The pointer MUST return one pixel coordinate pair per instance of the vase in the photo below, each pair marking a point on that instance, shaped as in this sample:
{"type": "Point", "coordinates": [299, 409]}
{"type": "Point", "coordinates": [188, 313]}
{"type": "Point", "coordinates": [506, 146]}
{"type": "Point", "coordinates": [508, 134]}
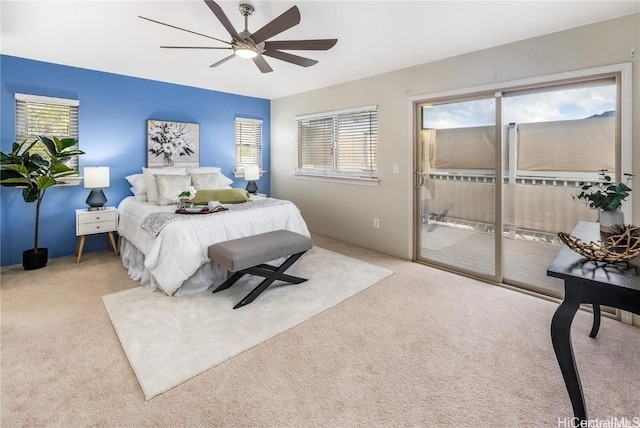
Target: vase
{"type": "Point", "coordinates": [184, 203]}
{"type": "Point", "coordinates": [167, 161]}
{"type": "Point", "coordinates": [609, 218]}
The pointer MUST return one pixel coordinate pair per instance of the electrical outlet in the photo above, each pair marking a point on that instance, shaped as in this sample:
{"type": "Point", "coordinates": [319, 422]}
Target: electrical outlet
{"type": "Point", "coordinates": [376, 223]}
{"type": "Point", "coordinates": [396, 168]}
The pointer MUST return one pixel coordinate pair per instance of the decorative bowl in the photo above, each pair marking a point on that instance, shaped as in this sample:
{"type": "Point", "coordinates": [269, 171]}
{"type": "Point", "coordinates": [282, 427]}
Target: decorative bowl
{"type": "Point", "coordinates": [193, 209]}
{"type": "Point", "coordinates": [622, 246]}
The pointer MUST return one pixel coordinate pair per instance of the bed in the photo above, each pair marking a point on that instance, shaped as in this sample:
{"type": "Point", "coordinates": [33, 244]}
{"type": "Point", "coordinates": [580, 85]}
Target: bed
{"type": "Point", "coordinates": [168, 252]}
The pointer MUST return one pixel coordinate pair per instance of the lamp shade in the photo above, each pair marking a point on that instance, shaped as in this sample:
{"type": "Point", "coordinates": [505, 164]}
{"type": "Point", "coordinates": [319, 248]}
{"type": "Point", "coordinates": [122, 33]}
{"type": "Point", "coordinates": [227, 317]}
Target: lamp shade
{"type": "Point", "coordinates": [96, 177]}
{"type": "Point", "coordinates": [251, 172]}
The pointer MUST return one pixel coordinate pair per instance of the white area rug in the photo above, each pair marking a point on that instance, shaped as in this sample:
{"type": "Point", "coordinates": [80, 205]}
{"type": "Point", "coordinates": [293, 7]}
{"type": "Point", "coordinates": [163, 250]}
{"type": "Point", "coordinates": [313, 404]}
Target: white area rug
{"type": "Point", "coordinates": [169, 340]}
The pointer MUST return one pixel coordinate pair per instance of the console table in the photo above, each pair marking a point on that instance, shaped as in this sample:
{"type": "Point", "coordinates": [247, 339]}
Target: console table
{"type": "Point", "coordinates": [616, 285]}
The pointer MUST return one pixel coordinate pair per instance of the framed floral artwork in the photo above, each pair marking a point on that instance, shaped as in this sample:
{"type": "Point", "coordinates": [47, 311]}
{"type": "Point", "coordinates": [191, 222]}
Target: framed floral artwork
{"type": "Point", "coordinates": [173, 144]}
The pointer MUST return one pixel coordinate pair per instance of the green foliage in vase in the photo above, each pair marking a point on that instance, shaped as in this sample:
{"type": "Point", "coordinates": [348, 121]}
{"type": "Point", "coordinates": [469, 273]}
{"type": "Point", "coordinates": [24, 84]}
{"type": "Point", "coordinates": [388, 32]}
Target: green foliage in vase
{"type": "Point", "coordinates": [25, 168]}
{"type": "Point", "coordinates": [604, 194]}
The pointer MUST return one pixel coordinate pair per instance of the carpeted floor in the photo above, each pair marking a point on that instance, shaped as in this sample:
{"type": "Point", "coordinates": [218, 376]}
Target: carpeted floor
{"type": "Point", "coordinates": [422, 347]}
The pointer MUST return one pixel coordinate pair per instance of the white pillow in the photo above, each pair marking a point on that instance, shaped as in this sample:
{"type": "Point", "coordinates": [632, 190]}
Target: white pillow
{"type": "Point", "coordinates": [152, 189]}
{"type": "Point", "coordinates": [170, 186]}
{"type": "Point", "coordinates": [203, 170]}
{"type": "Point", "coordinates": [139, 198]}
{"type": "Point", "coordinates": [226, 181]}
{"type": "Point", "coordinates": [139, 186]}
{"type": "Point", "coordinates": [213, 180]}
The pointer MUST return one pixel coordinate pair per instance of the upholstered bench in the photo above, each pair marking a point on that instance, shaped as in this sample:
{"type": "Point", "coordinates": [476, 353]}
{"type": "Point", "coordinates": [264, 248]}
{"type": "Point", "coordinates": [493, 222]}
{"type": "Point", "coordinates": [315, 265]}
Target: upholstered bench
{"type": "Point", "coordinates": [248, 255]}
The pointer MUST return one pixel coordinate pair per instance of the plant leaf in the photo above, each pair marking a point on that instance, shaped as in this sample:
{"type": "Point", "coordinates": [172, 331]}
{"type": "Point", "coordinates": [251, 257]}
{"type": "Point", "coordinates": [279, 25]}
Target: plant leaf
{"type": "Point", "coordinates": [44, 183]}
{"type": "Point", "coordinates": [49, 144]}
{"type": "Point", "coordinates": [16, 181]}
{"type": "Point", "coordinates": [30, 194]}
{"type": "Point", "coordinates": [25, 147]}
{"type": "Point", "coordinates": [66, 143]}
{"type": "Point", "coordinates": [60, 167]}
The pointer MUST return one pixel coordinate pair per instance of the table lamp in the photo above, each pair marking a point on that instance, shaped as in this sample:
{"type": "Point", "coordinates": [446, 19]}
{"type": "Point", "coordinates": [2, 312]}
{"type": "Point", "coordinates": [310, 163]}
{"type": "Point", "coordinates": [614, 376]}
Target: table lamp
{"type": "Point", "coordinates": [251, 174]}
{"type": "Point", "coordinates": [95, 178]}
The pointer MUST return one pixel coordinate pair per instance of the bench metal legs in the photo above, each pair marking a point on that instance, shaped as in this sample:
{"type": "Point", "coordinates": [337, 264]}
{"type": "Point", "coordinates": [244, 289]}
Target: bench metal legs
{"type": "Point", "coordinates": [270, 273]}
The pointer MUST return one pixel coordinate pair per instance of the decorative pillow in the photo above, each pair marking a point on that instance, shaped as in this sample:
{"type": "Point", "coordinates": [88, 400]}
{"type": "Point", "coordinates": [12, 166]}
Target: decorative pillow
{"type": "Point", "coordinates": [170, 186]}
{"type": "Point", "coordinates": [138, 184]}
{"type": "Point", "coordinates": [224, 196]}
{"type": "Point", "coordinates": [203, 170]}
{"type": "Point", "coordinates": [212, 180]}
{"type": "Point", "coordinates": [152, 189]}
{"type": "Point", "coordinates": [139, 197]}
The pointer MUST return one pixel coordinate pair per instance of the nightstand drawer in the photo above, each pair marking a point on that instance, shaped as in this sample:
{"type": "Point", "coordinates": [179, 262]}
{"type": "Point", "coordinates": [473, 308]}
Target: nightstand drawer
{"type": "Point", "coordinates": [97, 216]}
{"type": "Point", "coordinates": [96, 227]}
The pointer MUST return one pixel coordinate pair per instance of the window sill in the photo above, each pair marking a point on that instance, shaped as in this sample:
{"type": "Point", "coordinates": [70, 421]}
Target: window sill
{"type": "Point", "coordinates": [240, 174]}
{"type": "Point", "coordinates": [69, 181]}
{"type": "Point", "coordinates": [358, 181]}
{"type": "Point", "coordinates": [62, 182]}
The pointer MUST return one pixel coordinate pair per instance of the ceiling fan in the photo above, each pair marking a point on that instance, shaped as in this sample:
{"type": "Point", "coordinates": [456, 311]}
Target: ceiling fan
{"type": "Point", "coordinates": [254, 45]}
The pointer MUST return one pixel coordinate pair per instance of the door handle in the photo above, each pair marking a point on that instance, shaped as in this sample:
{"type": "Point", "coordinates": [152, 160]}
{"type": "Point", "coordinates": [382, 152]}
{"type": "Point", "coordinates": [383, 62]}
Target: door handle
{"type": "Point", "coordinates": [420, 179]}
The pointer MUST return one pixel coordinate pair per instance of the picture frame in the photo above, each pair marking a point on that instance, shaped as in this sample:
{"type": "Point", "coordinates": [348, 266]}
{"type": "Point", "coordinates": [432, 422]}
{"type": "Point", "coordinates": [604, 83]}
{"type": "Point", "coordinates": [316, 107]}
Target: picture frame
{"type": "Point", "coordinates": [172, 144]}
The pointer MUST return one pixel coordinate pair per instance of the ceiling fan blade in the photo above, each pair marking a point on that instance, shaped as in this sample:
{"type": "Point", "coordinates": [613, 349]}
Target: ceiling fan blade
{"type": "Point", "coordinates": [262, 64]}
{"type": "Point", "coordinates": [219, 13]}
{"type": "Point", "coordinates": [183, 29]}
{"type": "Point", "coordinates": [293, 59]}
{"type": "Point", "coordinates": [223, 60]}
{"type": "Point", "coordinates": [191, 47]}
{"type": "Point", "coordinates": [303, 45]}
{"type": "Point", "coordinates": [283, 22]}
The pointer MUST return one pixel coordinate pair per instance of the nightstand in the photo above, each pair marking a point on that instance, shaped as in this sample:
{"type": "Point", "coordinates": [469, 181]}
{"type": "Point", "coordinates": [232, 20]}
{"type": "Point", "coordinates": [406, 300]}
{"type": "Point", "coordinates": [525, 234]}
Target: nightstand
{"type": "Point", "coordinates": [93, 222]}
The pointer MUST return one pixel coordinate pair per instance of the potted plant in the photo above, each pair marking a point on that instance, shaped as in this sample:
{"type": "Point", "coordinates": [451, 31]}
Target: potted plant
{"type": "Point", "coordinates": [606, 196]}
{"type": "Point", "coordinates": [34, 173]}
{"type": "Point", "coordinates": [185, 197]}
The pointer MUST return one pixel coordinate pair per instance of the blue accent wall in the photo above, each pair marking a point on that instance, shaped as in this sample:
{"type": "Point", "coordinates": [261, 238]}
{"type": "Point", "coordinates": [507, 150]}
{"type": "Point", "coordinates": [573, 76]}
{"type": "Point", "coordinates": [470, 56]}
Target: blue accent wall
{"type": "Point", "coordinates": [113, 115]}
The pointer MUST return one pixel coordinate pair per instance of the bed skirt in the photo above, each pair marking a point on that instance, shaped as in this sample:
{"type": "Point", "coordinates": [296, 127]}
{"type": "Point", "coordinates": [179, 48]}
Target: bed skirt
{"type": "Point", "coordinates": [208, 275]}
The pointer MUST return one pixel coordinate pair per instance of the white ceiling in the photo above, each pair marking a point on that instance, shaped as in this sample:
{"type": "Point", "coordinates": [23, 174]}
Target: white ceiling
{"type": "Point", "coordinates": [373, 36]}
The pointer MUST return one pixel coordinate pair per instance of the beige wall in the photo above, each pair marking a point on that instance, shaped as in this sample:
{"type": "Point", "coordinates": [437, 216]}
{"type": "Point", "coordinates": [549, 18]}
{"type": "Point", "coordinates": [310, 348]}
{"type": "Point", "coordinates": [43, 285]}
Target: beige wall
{"type": "Point", "coordinates": [346, 211]}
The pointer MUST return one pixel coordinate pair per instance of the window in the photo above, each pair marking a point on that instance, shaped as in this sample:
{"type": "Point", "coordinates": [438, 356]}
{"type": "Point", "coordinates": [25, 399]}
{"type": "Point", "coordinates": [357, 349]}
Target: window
{"type": "Point", "coordinates": [248, 143]}
{"type": "Point", "coordinates": [36, 115]}
{"type": "Point", "coordinates": [340, 144]}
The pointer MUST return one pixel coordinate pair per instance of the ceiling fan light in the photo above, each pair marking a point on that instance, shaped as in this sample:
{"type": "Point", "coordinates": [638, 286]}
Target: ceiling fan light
{"type": "Point", "coordinates": [245, 53]}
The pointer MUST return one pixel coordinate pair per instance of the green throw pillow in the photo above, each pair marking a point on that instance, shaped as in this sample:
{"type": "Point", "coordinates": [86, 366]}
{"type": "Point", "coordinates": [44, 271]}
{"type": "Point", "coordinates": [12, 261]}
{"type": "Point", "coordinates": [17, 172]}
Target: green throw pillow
{"type": "Point", "coordinates": [224, 196]}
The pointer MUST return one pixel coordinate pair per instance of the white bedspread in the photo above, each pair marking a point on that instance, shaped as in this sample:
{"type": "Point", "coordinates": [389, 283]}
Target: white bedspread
{"type": "Point", "coordinates": [176, 261]}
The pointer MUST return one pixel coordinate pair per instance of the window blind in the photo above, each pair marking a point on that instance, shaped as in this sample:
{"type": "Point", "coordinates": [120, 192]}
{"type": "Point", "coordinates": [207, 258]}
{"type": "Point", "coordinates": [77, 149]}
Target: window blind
{"type": "Point", "coordinates": [248, 143]}
{"type": "Point", "coordinates": [343, 143]}
{"type": "Point", "coordinates": [36, 115]}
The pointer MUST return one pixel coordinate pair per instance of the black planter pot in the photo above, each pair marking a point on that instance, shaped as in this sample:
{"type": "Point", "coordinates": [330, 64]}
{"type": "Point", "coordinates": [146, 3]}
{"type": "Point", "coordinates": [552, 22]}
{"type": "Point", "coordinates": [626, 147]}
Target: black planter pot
{"type": "Point", "coordinates": [31, 260]}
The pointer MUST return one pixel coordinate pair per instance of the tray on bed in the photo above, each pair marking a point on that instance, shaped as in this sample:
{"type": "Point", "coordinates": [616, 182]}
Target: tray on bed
{"type": "Point", "coordinates": [202, 210]}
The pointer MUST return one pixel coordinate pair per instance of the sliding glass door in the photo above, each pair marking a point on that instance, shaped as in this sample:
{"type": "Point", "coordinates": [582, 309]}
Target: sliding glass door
{"type": "Point", "coordinates": [495, 175]}
{"type": "Point", "coordinates": [556, 137]}
{"type": "Point", "coordinates": [457, 184]}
